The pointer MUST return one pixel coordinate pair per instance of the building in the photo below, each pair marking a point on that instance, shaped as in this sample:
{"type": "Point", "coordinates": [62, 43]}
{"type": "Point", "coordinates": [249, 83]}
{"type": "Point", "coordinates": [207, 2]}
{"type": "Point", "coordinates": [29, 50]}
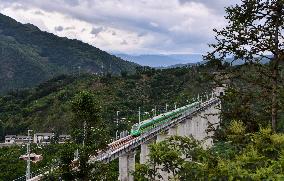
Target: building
{"type": "Point", "coordinates": [23, 139]}
{"type": "Point", "coordinates": [14, 139]}
{"type": "Point", "coordinates": [10, 139]}
{"type": "Point", "coordinates": [38, 138]}
{"type": "Point", "coordinates": [43, 138]}
{"type": "Point", "coordinates": [64, 138]}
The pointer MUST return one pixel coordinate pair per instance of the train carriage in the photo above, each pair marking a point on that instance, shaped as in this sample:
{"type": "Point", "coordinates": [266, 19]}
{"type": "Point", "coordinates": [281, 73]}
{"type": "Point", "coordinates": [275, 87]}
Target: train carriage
{"type": "Point", "coordinates": [139, 128]}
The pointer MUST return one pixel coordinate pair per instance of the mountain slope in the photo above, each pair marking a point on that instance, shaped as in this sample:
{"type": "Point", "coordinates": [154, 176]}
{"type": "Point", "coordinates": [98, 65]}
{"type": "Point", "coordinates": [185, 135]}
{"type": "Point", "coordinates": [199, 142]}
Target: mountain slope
{"type": "Point", "coordinates": [47, 106]}
{"type": "Point", "coordinates": [28, 56]}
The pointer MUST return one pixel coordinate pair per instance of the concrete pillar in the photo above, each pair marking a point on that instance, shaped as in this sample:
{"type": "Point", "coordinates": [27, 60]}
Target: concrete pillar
{"type": "Point", "coordinates": [126, 167]}
{"type": "Point", "coordinates": [172, 131]}
{"type": "Point", "coordinates": [213, 121]}
{"type": "Point", "coordinates": [161, 137]}
{"type": "Point", "coordinates": [145, 152]}
{"type": "Point", "coordinates": [190, 128]}
{"type": "Point", "coordinates": [202, 125]}
{"type": "Point", "coordinates": [181, 129]}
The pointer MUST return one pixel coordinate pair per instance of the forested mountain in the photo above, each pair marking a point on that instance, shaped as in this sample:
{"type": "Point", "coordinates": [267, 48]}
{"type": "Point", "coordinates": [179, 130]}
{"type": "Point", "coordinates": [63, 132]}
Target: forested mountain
{"type": "Point", "coordinates": [47, 106]}
{"type": "Point", "coordinates": [29, 56]}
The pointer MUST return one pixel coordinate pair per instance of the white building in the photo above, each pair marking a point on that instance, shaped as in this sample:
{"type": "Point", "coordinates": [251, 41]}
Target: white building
{"type": "Point", "coordinates": [64, 138]}
{"type": "Point", "coordinates": [10, 139]}
{"type": "Point", "coordinates": [43, 138]}
{"type": "Point", "coordinates": [23, 139]}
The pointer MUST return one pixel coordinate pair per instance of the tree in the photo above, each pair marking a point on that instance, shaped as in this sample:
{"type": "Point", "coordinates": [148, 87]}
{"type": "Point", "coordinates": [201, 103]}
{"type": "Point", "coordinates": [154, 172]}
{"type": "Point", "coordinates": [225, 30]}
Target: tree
{"type": "Point", "coordinates": [242, 156]}
{"type": "Point", "coordinates": [86, 118]}
{"type": "Point", "coordinates": [254, 33]}
{"type": "Point", "coordinates": [171, 156]}
{"type": "Point", "coordinates": [89, 128]}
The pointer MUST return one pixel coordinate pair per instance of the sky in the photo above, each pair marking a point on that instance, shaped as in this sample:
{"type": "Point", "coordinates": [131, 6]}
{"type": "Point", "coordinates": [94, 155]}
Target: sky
{"type": "Point", "coordinates": [127, 26]}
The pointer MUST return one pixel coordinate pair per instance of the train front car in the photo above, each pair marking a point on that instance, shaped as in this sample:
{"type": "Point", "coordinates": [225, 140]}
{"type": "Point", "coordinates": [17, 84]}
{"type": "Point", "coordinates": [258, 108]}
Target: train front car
{"type": "Point", "coordinates": [135, 130]}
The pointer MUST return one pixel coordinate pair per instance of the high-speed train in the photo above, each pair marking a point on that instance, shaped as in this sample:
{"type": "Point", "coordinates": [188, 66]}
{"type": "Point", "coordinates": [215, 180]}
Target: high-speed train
{"type": "Point", "coordinates": [144, 126]}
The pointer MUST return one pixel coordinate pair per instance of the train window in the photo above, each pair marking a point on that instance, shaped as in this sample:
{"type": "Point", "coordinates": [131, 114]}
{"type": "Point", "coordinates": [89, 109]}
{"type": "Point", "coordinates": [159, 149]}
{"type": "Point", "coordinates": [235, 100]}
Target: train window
{"type": "Point", "coordinates": [135, 126]}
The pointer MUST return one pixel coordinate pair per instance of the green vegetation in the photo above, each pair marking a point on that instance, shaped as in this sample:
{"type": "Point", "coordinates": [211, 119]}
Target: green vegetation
{"type": "Point", "coordinates": [254, 33]}
{"type": "Point", "coordinates": [12, 167]}
{"type": "Point", "coordinates": [48, 106]}
{"type": "Point", "coordinates": [29, 56]}
{"type": "Point", "coordinates": [240, 156]}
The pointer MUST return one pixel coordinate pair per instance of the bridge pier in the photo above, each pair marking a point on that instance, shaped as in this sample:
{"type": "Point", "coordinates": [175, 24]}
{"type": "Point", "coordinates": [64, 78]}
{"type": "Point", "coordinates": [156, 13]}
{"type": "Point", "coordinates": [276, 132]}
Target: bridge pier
{"type": "Point", "coordinates": [161, 137]}
{"type": "Point", "coordinates": [181, 129]}
{"type": "Point", "coordinates": [173, 131]}
{"type": "Point", "coordinates": [145, 152]}
{"type": "Point", "coordinates": [126, 167]}
{"type": "Point", "coordinates": [212, 122]}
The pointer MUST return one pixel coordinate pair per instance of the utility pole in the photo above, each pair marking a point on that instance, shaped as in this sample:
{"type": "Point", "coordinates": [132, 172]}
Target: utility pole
{"type": "Point", "coordinates": [28, 170]}
{"type": "Point", "coordinates": [167, 107]}
{"type": "Point", "coordinates": [139, 114]}
{"type": "Point", "coordinates": [175, 105]}
{"type": "Point", "coordinates": [116, 133]}
{"type": "Point", "coordinates": [84, 133]}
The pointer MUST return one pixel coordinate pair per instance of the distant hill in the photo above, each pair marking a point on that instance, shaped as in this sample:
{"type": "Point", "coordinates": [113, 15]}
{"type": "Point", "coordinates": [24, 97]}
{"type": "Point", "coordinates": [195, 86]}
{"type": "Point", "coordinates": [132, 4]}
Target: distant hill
{"type": "Point", "coordinates": [182, 65]}
{"type": "Point", "coordinates": [29, 56]}
{"type": "Point", "coordinates": [160, 60]}
{"type": "Point", "coordinates": [46, 107]}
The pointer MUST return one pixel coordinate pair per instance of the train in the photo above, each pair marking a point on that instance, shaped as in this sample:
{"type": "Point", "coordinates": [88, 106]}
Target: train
{"type": "Point", "coordinates": [139, 128]}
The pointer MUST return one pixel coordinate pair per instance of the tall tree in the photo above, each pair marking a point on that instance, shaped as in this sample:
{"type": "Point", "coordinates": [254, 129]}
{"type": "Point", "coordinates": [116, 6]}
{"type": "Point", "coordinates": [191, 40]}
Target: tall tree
{"type": "Point", "coordinates": [255, 32]}
{"type": "Point", "coordinates": [88, 128]}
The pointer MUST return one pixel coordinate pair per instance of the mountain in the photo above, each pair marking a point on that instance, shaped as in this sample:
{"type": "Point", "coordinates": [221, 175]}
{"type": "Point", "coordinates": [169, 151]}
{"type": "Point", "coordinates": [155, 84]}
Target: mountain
{"type": "Point", "coordinates": [47, 107]}
{"type": "Point", "coordinates": [29, 56]}
{"type": "Point", "coordinates": [160, 60]}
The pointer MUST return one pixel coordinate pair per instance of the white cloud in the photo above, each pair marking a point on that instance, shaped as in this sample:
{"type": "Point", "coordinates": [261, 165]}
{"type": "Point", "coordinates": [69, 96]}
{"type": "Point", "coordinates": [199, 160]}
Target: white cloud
{"type": "Point", "coordinates": [144, 26]}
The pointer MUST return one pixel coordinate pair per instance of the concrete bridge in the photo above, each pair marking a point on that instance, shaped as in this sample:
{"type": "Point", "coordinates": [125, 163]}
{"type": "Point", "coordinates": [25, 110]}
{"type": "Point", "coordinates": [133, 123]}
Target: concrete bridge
{"type": "Point", "coordinates": [197, 122]}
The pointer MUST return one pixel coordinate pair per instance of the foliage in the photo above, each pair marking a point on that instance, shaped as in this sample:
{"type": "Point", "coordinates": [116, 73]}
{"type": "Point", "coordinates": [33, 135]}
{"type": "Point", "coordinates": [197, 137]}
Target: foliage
{"type": "Point", "coordinates": [255, 34]}
{"type": "Point", "coordinates": [48, 107]}
{"type": "Point", "coordinates": [258, 157]}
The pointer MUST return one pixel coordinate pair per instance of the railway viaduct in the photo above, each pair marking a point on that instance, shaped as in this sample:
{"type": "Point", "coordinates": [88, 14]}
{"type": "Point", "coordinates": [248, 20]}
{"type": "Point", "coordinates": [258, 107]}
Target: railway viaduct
{"type": "Point", "coordinates": [197, 122]}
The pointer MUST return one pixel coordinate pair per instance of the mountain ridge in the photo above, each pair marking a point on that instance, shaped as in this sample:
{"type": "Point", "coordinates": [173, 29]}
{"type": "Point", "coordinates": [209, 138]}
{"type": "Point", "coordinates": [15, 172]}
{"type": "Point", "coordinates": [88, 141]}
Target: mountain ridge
{"type": "Point", "coordinates": [29, 56]}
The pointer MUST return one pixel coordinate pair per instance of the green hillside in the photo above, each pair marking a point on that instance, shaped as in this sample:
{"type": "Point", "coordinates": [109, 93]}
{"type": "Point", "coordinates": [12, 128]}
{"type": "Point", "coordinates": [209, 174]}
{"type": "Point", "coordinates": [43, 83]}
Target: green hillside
{"type": "Point", "coordinates": [48, 106]}
{"type": "Point", "coordinates": [29, 56]}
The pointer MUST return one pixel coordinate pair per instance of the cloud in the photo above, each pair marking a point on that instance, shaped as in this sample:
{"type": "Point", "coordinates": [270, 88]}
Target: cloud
{"type": "Point", "coordinates": [147, 26]}
{"type": "Point", "coordinates": [124, 42]}
{"type": "Point", "coordinates": [38, 13]}
{"type": "Point", "coordinates": [96, 31]}
{"type": "Point", "coordinates": [58, 28]}
{"type": "Point", "coordinates": [70, 28]}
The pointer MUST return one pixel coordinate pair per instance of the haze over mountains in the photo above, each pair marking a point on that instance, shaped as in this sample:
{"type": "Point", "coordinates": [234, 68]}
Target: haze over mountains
{"type": "Point", "coordinates": [29, 56]}
{"type": "Point", "coordinates": [160, 60]}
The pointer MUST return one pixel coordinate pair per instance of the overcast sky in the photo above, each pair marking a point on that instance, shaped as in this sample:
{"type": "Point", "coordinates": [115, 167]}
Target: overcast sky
{"type": "Point", "coordinates": [126, 26]}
